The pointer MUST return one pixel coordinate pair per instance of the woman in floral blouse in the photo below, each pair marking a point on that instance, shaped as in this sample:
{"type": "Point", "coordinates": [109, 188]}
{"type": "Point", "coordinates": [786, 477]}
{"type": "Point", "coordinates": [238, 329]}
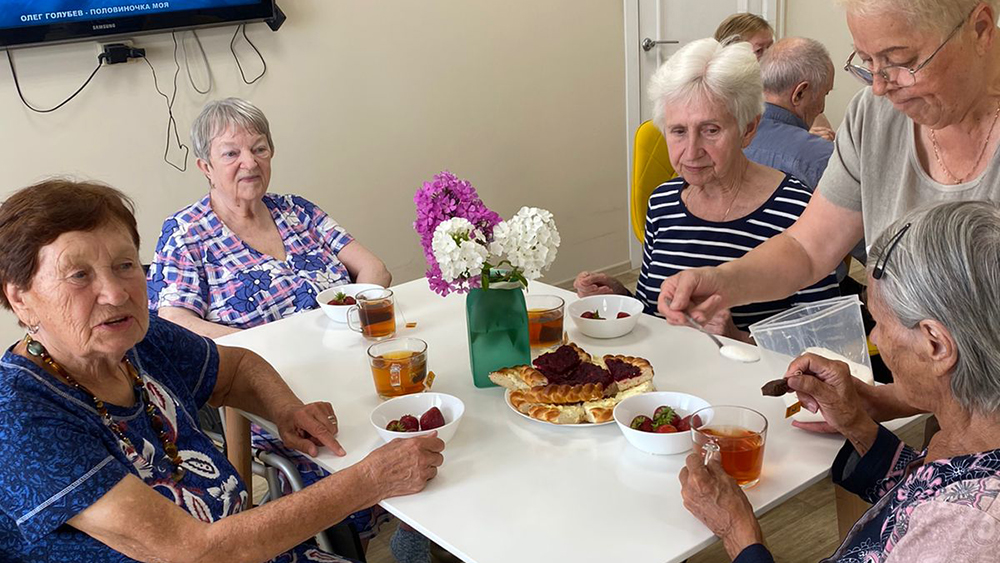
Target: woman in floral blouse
{"type": "Point", "coordinates": [934, 289]}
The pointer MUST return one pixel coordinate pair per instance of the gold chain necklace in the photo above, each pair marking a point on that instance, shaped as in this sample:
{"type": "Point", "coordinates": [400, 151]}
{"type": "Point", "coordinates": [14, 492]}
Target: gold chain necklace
{"type": "Point", "coordinates": [982, 153]}
{"type": "Point", "coordinates": [37, 349]}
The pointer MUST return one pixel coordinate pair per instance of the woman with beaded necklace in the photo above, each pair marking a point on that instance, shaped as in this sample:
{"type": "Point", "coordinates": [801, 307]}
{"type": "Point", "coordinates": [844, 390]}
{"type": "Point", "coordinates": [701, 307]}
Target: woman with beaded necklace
{"type": "Point", "coordinates": [103, 456]}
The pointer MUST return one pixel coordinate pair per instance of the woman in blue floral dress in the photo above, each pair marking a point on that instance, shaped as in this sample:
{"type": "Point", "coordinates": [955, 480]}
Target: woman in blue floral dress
{"type": "Point", "coordinates": [934, 290]}
{"type": "Point", "coordinates": [241, 257]}
{"type": "Point", "coordinates": [103, 456]}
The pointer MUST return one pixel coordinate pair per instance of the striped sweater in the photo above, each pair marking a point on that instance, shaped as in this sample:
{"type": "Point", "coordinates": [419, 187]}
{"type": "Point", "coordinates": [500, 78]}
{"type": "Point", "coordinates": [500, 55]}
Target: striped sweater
{"type": "Point", "coordinates": [677, 240]}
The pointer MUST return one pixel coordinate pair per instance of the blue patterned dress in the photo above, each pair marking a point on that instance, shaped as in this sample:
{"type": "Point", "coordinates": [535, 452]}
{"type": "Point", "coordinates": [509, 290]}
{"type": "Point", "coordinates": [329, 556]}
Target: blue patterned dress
{"type": "Point", "coordinates": [59, 457]}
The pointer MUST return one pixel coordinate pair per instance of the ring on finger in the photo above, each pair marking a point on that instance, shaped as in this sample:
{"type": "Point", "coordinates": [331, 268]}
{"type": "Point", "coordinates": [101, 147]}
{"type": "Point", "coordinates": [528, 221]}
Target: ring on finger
{"type": "Point", "coordinates": [332, 418]}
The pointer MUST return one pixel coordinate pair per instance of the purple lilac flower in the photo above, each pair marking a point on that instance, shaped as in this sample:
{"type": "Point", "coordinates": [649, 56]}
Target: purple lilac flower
{"type": "Point", "coordinates": [445, 198]}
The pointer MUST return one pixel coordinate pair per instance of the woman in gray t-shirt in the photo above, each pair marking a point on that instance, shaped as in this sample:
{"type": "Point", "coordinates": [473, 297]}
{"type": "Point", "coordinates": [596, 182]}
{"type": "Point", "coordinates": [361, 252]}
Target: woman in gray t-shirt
{"type": "Point", "coordinates": [926, 131]}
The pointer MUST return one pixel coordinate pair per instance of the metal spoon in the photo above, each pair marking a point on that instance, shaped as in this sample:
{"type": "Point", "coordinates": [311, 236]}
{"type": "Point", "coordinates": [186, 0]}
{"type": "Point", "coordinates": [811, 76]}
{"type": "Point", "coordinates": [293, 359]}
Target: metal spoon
{"type": "Point", "coordinates": [729, 351]}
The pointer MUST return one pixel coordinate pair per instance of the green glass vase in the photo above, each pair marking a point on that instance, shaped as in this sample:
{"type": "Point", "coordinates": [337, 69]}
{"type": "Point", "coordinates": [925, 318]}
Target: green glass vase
{"type": "Point", "coordinates": [497, 321]}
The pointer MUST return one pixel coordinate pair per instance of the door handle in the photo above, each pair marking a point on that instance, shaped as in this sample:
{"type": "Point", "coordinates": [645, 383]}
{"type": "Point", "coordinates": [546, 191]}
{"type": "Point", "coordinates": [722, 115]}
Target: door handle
{"type": "Point", "coordinates": [648, 44]}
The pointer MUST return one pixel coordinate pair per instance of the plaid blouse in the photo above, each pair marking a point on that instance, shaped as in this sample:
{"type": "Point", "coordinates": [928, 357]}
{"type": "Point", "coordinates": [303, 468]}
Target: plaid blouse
{"type": "Point", "coordinates": [202, 266]}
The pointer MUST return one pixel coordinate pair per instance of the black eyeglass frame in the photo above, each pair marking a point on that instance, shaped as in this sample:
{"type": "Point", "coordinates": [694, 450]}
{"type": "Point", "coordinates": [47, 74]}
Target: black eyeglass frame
{"type": "Point", "coordinates": [879, 270]}
{"type": "Point", "coordinates": [867, 75]}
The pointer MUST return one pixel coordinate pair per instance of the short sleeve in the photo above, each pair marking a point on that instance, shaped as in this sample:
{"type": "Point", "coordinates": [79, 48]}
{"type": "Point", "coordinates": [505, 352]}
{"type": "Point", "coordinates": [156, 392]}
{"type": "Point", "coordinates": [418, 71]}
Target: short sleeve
{"type": "Point", "coordinates": [182, 358]}
{"type": "Point", "coordinates": [176, 278]}
{"type": "Point", "coordinates": [841, 181]}
{"type": "Point", "coordinates": [55, 466]}
{"type": "Point", "coordinates": [333, 235]}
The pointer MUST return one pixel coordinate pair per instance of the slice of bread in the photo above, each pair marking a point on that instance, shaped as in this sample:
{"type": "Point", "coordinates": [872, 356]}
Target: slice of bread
{"type": "Point", "coordinates": [645, 371]}
{"type": "Point", "coordinates": [518, 377]}
{"type": "Point", "coordinates": [602, 410]}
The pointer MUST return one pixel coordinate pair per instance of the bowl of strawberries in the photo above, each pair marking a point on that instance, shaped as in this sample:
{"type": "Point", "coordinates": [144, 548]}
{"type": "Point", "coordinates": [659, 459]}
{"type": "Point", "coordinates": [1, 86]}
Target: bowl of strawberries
{"type": "Point", "coordinates": [336, 300]}
{"type": "Point", "coordinates": [418, 414]}
{"type": "Point", "coordinates": [658, 423]}
{"type": "Point", "coordinates": [605, 316]}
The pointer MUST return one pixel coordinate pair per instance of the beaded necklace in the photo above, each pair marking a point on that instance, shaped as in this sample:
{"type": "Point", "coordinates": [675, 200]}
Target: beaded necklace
{"type": "Point", "coordinates": [37, 349]}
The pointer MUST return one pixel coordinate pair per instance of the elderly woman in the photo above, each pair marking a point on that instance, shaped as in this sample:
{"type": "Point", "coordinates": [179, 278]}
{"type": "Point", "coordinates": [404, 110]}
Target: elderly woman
{"type": "Point", "coordinates": [98, 410]}
{"type": "Point", "coordinates": [242, 257]}
{"type": "Point", "coordinates": [708, 99]}
{"type": "Point", "coordinates": [926, 131]}
{"type": "Point", "coordinates": [751, 28]}
{"type": "Point", "coordinates": [934, 291]}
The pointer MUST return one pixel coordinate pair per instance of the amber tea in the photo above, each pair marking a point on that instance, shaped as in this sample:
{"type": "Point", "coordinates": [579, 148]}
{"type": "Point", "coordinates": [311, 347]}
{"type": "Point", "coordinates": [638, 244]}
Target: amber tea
{"type": "Point", "coordinates": [545, 320]}
{"type": "Point", "coordinates": [399, 367]}
{"type": "Point", "coordinates": [376, 314]}
{"type": "Point", "coordinates": [738, 435]}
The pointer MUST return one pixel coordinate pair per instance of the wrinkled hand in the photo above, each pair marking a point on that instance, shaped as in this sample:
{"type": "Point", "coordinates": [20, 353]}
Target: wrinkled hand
{"type": "Point", "coordinates": [587, 283]}
{"type": "Point", "coordinates": [696, 292]}
{"type": "Point", "coordinates": [823, 132]}
{"type": "Point", "coordinates": [305, 427]}
{"type": "Point", "coordinates": [714, 498]}
{"type": "Point", "coordinates": [826, 385]}
{"type": "Point", "coordinates": [404, 465]}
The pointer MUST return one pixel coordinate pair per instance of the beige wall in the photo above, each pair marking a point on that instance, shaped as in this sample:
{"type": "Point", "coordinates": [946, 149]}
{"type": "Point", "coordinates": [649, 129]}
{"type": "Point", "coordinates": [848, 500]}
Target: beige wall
{"type": "Point", "coordinates": [824, 21]}
{"type": "Point", "coordinates": [525, 98]}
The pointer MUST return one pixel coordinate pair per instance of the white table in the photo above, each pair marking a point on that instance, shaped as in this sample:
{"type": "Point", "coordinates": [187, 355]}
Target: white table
{"type": "Point", "coordinates": [515, 490]}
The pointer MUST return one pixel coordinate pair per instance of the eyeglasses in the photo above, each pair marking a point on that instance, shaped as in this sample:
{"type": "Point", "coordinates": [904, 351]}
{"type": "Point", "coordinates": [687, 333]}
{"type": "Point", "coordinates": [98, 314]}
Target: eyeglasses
{"type": "Point", "coordinates": [896, 74]}
{"type": "Point", "coordinates": [879, 270]}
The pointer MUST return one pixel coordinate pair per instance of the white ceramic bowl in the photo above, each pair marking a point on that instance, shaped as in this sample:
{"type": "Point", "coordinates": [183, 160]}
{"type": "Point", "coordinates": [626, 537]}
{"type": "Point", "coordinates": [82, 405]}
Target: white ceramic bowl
{"type": "Point", "coordinates": [417, 404]}
{"type": "Point", "coordinates": [338, 313]}
{"type": "Point", "coordinates": [610, 326]}
{"type": "Point", "coordinates": [646, 404]}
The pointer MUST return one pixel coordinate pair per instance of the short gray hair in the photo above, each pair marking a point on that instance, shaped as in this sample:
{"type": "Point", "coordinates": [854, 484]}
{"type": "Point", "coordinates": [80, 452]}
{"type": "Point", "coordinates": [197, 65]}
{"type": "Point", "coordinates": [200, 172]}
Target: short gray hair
{"type": "Point", "coordinates": [218, 116]}
{"type": "Point", "coordinates": [726, 73]}
{"type": "Point", "coordinates": [946, 267]}
{"type": "Point", "coordinates": [794, 60]}
{"type": "Point", "coordinates": [936, 15]}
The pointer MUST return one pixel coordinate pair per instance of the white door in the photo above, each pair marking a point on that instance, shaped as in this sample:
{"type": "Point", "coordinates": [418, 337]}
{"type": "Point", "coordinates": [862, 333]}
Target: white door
{"type": "Point", "coordinates": [676, 22]}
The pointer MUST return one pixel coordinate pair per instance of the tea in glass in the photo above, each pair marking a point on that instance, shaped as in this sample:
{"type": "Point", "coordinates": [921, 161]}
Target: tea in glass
{"type": "Point", "coordinates": [376, 314]}
{"type": "Point", "coordinates": [545, 320]}
{"type": "Point", "coordinates": [399, 367]}
{"type": "Point", "coordinates": [738, 435]}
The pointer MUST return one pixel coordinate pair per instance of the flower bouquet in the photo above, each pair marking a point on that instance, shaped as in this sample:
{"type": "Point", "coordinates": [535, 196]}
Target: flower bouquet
{"type": "Point", "coordinates": [470, 249]}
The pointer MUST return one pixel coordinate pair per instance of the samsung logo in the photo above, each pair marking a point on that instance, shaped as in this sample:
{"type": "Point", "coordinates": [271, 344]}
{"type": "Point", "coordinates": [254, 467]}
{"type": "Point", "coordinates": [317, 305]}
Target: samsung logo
{"type": "Point", "coordinates": [104, 26]}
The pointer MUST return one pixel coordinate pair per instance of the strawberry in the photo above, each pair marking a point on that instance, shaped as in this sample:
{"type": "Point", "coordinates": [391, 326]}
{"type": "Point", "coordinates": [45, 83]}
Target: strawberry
{"type": "Point", "coordinates": [595, 314]}
{"type": "Point", "coordinates": [339, 299]}
{"type": "Point", "coordinates": [666, 429]}
{"type": "Point", "coordinates": [642, 422]}
{"type": "Point", "coordinates": [350, 300]}
{"type": "Point", "coordinates": [663, 415]}
{"type": "Point", "coordinates": [685, 423]}
{"type": "Point", "coordinates": [395, 426]}
{"type": "Point", "coordinates": [409, 423]}
{"type": "Point", "coordinates": [623, 315]}
{"type": "Point", "coordinates": [431, 419]}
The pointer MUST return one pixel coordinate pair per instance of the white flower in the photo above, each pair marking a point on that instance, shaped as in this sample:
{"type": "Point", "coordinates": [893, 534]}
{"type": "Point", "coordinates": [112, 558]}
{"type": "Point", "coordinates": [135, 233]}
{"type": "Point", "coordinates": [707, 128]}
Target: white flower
{"type": "Point", "coordinates": [528, 241]}
{"type": "Point", "coordinates": [456, 250]}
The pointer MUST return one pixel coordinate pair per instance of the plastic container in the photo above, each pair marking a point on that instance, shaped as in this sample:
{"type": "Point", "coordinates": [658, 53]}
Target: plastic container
{"type": "Point", "coordinates": [834, 324]}
{"type": "Point", "coordinates": [832, 328]}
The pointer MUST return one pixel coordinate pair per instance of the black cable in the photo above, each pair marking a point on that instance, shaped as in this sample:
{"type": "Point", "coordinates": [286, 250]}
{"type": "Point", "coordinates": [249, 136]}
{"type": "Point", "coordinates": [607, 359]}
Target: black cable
{"type": "Point", "coordinates": [17, 85]}
{"type": "Point", "coordinates": [171, 122]}
{"type": "Point", "coordinates": [204, 57]}
{"type": "Point", "coordinates": [232, 48]}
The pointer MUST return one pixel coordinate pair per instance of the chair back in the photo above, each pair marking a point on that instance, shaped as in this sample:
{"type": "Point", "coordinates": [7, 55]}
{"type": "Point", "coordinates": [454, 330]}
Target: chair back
{"type": "Point", "coordinates": [650, 168]}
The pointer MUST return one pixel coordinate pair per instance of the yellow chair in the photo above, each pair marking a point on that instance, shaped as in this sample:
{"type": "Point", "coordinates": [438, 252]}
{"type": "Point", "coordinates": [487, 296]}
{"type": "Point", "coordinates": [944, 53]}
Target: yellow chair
{"type": "Point", "coordinates": [650, 168]}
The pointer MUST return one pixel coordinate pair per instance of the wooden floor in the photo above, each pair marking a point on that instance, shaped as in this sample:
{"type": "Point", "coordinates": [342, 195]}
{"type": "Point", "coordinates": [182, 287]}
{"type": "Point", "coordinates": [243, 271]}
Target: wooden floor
{"type": "Point", "coordinates": [802, 530]}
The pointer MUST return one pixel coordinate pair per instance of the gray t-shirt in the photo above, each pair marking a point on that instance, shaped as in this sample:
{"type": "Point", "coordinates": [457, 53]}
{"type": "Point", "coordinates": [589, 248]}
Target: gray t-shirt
{"type": "Point", "coordinates": [874, 168]}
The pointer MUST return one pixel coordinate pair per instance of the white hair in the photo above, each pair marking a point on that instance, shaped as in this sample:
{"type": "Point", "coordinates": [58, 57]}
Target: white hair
{"type": "Point", "coordinates": [219, 115]}
{"type": "Point", "coordinates": [946, 267]}
{"type": "Point", "coordinates": [937, 15]}
{"type": "Point", "coordinates": [729, 74]}
{"type": "Point", "coordinates": [794, 60]}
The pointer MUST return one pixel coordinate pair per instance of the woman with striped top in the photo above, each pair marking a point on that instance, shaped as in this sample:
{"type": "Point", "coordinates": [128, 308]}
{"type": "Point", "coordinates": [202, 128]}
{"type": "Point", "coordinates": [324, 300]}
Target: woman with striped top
{"type": "Point", "coordinates": [708, 99]}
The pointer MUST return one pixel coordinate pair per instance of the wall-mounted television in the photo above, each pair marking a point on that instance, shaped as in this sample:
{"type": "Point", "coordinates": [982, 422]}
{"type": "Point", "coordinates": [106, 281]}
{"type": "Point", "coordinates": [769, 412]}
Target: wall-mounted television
{"type": "Point", "coordinates": [30, 22]}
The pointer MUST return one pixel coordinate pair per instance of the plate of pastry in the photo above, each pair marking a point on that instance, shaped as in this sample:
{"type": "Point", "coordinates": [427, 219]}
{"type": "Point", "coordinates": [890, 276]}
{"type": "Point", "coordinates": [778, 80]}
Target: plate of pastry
{"type": "Point", "coordinates": [569, 387]}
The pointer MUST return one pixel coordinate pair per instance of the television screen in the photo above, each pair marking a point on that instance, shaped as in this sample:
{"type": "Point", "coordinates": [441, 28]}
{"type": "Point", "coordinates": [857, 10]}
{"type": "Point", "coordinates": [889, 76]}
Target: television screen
{"type": "Point", "coordinates": [36, 21]}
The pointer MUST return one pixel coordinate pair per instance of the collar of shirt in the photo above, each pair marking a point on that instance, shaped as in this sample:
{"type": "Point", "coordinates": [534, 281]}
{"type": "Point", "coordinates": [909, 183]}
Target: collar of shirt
{"type": "Point", "coordinates": [780, 114]}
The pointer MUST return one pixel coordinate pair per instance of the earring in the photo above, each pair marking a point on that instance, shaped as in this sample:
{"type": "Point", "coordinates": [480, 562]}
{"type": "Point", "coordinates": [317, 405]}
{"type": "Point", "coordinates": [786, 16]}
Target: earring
{"type": "Point", "coordinates": [33, 329]}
